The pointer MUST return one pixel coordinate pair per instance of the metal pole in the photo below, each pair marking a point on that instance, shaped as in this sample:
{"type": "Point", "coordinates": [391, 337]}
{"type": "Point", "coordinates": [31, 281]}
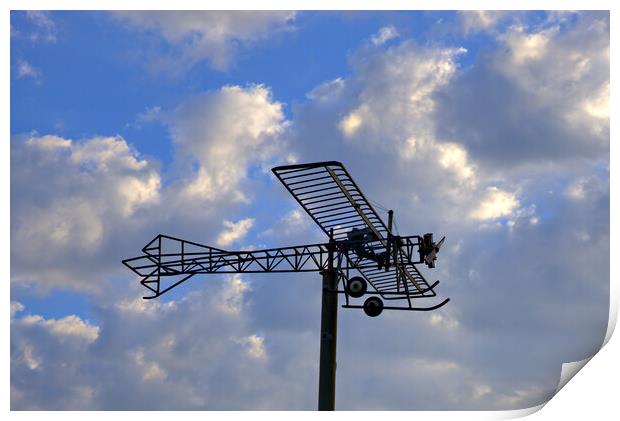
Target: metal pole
{"type": "Point", "coordinates": [329, 330]}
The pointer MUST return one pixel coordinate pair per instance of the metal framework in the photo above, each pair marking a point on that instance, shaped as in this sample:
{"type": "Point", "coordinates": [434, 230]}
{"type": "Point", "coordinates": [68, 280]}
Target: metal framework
{"type": "Point", "coordinates": [362, 251]}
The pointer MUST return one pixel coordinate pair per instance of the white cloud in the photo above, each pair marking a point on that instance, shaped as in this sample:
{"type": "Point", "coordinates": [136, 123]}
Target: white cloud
{"type": "Point", "coordinates": [75, 327]}
{"type": "Point", "coordinates": [526, 47]}
{"type": "Point", "coordinates": [384, 35]}
{"type": "Point", "coordinates": [395, 151]}
{"type": "Point", "coordinates": [474, 21]}
{"type": "Point", "coordinates": [187, 364]}
{"type": "Point", "coordinates": [106, 153]}
{"type": "Point", "coordinates": [544, 81]}
{"type": "Point", "coordinates": [453, 157]}
{"type": "Point", "coordinates": [295, 218]}
{"type": "Point", "coordinates": [391, 108]}
{"type": "Point", "coordinates": [101, 199]}
{"type": "Point", "coordinates": [149, 115]}
{"type": "Point", "coordinates": [598, 104]}
{"type": "Point", "coordinates": [375, 152]}
{"type": "Point", "coordinates": [234, 231]}
{"type": "Point", "coordinates": [139, 306]}
{"type": "Point", "coordinates": [67, 327]}
{"type": "Point", "coordinates": [92, 188]}
{"type": "Point", "coordinates": [576, 190]}
{"type": "Point", "coordinates": [28, 357]}
{"type": "Point", "coordinates": [25, 69]}
{"type": "Point", "coordinates": [481, 390]}
{"type": "Point", "coordinates": [254, 346]}
{"type": "Point", "coordinates": [63, 223]}
{"type": "Point", "coordinates": [209, 35]}
{"type": "Point", "coordinates": [328, 91]}
{"type": "Point", "coordinates": [586, 187]}
{"type": "Point", "coordinates": [564, 69]}
{"type": "Point", "coordinates": [151, 371]}
{"type": "Point", "coordinates": [49, 142]}
{"type": "Point", "coordinates": [395, 91]}
{"type": "Point", "coordinates": [231, 296]}
{"type": "Point", "coordinates": [521, 398]}
{"type": "Point", "coordinates": [225, 131]}
{"type": "Point", "coordinates": [44, 27]}
{"type": "Point", "coordinates": [139, 192]}
{"type": "Point", "coordinates": [351, 123]}
{"type": "Point", "coordinates": [294, 222]}
{"type": "Point", "coordinates": [495, 204]}
{"type": "Point", "coordinates": [294, 227]}
{"type": "Point", "coordinates": [16, 307]}
{"type": "Point", "coordinates": [443, 320]}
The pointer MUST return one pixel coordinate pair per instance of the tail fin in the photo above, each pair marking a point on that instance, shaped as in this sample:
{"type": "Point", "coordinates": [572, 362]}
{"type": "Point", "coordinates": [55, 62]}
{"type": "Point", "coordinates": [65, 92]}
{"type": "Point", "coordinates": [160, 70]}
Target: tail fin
{"type": "Point", "coordinates": [169, 261]}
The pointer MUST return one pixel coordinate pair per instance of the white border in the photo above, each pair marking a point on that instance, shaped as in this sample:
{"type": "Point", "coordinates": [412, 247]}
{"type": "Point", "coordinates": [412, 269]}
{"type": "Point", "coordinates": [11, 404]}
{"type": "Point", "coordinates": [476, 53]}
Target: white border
{"type": "Point", "coordinates": [308, 5]}
{"type": "Point", "coordinates": [593, 394]}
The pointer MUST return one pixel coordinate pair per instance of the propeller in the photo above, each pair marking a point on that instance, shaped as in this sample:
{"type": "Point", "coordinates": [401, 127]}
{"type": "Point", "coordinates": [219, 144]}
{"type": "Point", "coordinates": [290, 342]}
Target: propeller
{"type": "Point", "coordinates": [430, 257]}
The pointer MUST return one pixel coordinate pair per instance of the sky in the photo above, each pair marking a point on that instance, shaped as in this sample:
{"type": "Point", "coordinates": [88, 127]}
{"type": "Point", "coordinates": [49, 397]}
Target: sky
{"type": "Point", "coordinates": [491, 128]}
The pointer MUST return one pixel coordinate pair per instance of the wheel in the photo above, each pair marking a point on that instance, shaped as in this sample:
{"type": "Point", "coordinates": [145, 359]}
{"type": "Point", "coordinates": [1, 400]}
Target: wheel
{"type": "Point", "coordinates": [373, 306]}
{"type": "Point", "coordinates": [356, 287]}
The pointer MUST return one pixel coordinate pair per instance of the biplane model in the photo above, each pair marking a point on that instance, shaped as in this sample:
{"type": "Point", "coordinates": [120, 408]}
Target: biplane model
{"type": "Point", "coordinates": [363, 252]}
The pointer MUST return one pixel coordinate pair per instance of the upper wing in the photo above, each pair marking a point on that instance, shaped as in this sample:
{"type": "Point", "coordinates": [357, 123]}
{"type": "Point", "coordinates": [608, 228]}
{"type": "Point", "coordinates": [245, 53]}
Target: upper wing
{"type": "Point", "coordinates": [330, 196]}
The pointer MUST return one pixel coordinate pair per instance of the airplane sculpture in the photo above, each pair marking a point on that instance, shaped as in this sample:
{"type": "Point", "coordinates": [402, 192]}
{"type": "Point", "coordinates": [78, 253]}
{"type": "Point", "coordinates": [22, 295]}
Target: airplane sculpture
{"type": "Point", "coordinates": [359, 240]}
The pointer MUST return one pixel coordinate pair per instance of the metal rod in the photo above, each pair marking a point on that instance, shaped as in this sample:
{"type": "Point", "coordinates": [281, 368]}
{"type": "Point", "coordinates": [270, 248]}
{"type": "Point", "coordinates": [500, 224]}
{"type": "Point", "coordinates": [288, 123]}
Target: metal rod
{"type": "Point", "coordinates": [389, 244]}
{"type": "Point", "coordinates": [435, 307]}
{"type": "Point", "coordinates": [329, 330]}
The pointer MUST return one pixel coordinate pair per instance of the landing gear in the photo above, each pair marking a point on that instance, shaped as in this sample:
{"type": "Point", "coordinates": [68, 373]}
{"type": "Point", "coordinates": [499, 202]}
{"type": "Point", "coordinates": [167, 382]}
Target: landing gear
{"type": "Point", "coordinates": [356, 287]}
{"type": "Point", "coordinates": [373, 306]}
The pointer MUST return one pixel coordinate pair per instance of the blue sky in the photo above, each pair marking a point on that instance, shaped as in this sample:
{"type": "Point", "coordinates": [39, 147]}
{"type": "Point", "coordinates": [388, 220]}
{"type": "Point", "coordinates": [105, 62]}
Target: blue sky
{"type": "Point", "coordinates": [491, 128]}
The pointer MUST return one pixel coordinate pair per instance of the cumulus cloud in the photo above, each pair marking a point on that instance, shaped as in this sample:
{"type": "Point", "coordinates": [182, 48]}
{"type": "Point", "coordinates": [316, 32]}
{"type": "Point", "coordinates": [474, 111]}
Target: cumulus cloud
{"type": "Point", "coordinates": [70, 332]}
{"type": "Point", "coordinates": [232, 294]}
{"type": "Point", "coordinates": [389, 106]}
{"type": "Point", "coordinates": [234, 231]}
{"type": "Point", "coordinates": [457, 167]}
{"type": "Point", "coordinates": [384, 35]}
{"type": "Point", "coordinates": [540, 97]}
{"type": "Point", "coordinates": [151, 371]}
{"type": "Point", "coordinates": [99, 192]}
{"type": "Point", "coordinates": [16, 307]}
{"type": "Point", "coordinates": [202, 357]}
{"type": "Point", "coordinates": [576, 189]}
{"type": "Point", "coordinates": [208, 35]}
{"type": "Point", "coordinates": [351, 123]}
{"type": "Point", "coordinates": [70, 326]}
{"type": "Point", "coordinates": [453, 157]}
{"type": "Point", "coordinates": [508, 286]}
{"type": "Point", "coordinates": [495, 204]}
{"type": "Point", "coordinates": [141, 307]}
{"type": "Point", "coordinates": [587, 187]}
{"type": "Point", "coordinates": [474, 21]}
{"type": "Point", "coordinates": [225, 132]}
{"type": "Point", "coordinates": [89, 187]}
{"type": "Point", "coordinates": [254, 345]}
{"type": "Point", "coordinates": [49, 142]}
{"type": "Point", "coordinates": [405, 78]}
